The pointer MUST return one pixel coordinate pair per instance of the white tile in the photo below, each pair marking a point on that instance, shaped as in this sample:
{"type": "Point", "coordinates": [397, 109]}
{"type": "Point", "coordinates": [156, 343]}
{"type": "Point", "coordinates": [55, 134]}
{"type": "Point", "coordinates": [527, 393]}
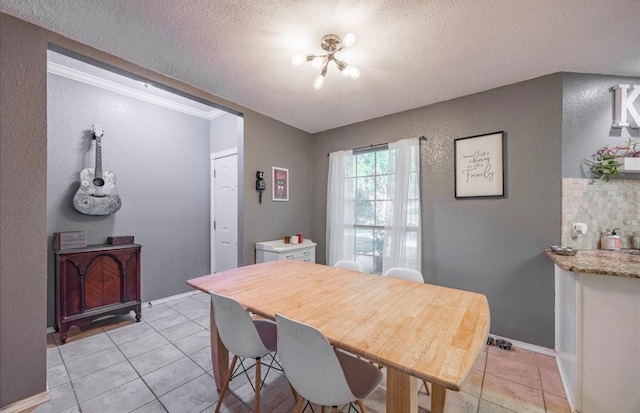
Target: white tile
{"type": "Point", "coordinates": [101, 381]}
{"type": "Point", "coordinates": [172, 375]}
{"type": "Point", "coordinates": [143, 344]}
{"type": "Point", "coordinates": [124, 398]}
{"type": "Point", "coordinates": [154, 359]}
{"type": "Point", "coordinates": [194, 396]}
{"type": "Point", "coordinates": [85, 346]}
{"type": "Point", "coordinates": [94, 362]}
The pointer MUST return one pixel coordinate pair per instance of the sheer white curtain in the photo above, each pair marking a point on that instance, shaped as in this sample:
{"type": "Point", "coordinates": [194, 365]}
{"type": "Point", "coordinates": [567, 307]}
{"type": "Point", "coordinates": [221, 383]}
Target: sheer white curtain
{"type": "Point", "coordinates": [402, 218]}
{"type": "Point", "coordinates": [402, 237]}
{"type": "Point", "coordinates": [340, 197]}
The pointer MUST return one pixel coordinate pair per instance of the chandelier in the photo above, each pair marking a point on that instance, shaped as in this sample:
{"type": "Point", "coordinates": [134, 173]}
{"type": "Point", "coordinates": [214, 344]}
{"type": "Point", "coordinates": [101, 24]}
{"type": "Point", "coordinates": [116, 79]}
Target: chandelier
{"type": "Point", "coordinates": [331, 44]}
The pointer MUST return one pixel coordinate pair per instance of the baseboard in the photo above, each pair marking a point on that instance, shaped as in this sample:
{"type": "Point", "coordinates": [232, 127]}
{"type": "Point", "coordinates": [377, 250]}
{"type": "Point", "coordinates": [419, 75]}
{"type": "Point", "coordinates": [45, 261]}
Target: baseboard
{"type": "Point", "coordinates": [148, 304]}
{"type": "Point", "coordinates": [567, 393]}
{"type": "Point", "coordinates": [531, 347]}
{"type": "Point", "coordinates": [170, 298]}
{"type": "Point", "coordinates": [27, 404]}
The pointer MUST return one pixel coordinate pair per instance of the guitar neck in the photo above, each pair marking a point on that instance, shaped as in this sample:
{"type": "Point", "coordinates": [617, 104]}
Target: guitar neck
{"type": "Point", "coordinates": [98, 171]}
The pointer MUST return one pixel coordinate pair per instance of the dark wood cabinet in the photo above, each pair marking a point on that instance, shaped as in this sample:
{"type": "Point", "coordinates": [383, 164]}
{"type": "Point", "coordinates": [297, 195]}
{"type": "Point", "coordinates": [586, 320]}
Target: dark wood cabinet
{"type": "Point", "coordinates": [96, 281]}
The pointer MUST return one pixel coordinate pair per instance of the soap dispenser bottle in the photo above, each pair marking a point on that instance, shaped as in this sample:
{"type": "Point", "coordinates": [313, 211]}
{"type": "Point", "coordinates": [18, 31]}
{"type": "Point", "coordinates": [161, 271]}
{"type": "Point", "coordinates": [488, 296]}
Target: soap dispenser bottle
{"type": "Point", "coordinates": [616, 239]}
{"type": "Point", "coordinates": [606, 241]}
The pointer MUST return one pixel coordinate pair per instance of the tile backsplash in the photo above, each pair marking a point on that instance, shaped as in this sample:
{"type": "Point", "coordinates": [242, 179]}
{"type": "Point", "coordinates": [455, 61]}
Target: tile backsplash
{"type": "Point", "coordinates": [602, 206]}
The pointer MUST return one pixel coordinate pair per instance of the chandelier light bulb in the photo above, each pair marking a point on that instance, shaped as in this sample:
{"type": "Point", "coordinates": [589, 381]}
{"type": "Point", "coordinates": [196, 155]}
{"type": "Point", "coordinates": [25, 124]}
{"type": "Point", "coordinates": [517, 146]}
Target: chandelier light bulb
{"type": "Point", "coordinates": [317, 62]}
{"type": "Point", "coordinates": [317, 84]}
{"type": "Point", "coordinates": [298, 59]}
{"type": "Point", "coordinates": [349, 40]}
{"type": "Point", "coordinates": [354, 73]}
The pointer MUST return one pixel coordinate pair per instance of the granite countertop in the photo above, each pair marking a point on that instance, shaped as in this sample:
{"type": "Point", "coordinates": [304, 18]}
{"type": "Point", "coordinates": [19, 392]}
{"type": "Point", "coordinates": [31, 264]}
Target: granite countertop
{"type": "Point", "coordinates": [612, 263]}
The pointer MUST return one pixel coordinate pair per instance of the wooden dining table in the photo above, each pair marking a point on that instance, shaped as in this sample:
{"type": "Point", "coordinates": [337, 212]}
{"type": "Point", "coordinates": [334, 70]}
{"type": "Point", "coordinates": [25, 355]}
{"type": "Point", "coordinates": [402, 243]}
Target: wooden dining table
{"type": "Point", "coordinates": [415, 330]}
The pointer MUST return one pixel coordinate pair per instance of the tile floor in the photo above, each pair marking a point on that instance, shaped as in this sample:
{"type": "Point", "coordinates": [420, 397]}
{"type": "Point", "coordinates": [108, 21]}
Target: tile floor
{"type": "Point", "coordinates": [163, 364]}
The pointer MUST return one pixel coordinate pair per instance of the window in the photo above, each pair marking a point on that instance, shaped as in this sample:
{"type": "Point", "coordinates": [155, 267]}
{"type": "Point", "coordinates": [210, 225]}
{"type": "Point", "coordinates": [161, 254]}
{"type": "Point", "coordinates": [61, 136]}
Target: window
{"type": "Point", "coordinates": [382, 203]}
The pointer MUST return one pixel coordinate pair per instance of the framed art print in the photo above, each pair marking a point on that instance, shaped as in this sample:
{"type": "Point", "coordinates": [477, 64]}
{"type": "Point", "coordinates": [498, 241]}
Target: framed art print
{"type": "Point", "coordinates": [479, 166]}
{"type": "Point", "coordinates": [280, 188]}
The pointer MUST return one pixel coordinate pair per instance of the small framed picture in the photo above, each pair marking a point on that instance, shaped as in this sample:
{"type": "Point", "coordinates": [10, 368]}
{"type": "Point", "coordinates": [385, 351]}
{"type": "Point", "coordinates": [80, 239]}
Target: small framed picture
{"type": "Point", "coordinates": [280, 190]}
{"type": "Point", "coordinates": [479, 166]}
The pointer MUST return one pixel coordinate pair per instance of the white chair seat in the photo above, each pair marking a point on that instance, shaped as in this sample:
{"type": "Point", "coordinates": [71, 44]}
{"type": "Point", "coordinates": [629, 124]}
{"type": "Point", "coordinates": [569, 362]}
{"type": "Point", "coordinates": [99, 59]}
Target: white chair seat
{"type": "Point", "coordinates": [317, 372]}
{"type": "Point", "coordinates": [362, 376]}
{"type": "Point", "coordinates": [348, 265]}
{"type": "Point", "coordinates": [405, 273]}
{"type": "Point", "coordinates": [268, 333]}
{"type": "Point", "coordinates": [243, 337]}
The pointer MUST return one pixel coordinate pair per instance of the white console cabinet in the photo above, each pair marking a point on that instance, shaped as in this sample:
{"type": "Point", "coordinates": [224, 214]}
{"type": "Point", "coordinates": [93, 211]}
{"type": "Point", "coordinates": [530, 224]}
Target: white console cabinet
{"type": "Point", "coordinates": [278, 250]}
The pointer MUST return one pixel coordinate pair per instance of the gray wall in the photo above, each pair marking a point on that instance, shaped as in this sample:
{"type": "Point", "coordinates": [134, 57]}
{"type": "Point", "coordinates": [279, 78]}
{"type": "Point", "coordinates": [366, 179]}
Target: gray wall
{"type": "Point", "coordinates": [588, 116]}
{"type": "Point", "coordinates": [23, 211]}
{"type": "Point", "coordinates": [161, 161]}
{"type": "Point", "coordinates": [273, 143]}
{"type": "Point", "coordinates": [23, 192]}
{"type": "Point", "coordinates": [491, 246]}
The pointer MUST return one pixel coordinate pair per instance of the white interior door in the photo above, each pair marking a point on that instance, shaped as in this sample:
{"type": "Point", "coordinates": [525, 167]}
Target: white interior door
{"type": "Point", "coordinates": [224, 235]}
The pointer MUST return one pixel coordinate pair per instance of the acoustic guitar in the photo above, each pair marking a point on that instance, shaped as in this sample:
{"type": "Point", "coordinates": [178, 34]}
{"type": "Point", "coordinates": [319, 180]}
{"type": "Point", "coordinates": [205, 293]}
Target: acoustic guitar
{"type": "Point", "coordinates": [97, 194]}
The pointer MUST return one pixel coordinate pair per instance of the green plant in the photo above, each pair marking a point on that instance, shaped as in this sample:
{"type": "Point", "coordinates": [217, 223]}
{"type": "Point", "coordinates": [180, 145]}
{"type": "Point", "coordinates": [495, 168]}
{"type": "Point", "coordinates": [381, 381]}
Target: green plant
{"type": "Point", "coordinates": [605, 162]}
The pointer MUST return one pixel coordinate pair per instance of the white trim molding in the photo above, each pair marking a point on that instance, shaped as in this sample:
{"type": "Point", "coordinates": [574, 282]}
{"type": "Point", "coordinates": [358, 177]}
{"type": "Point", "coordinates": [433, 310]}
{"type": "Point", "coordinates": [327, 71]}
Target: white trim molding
{"type": "Point", "coordinates": [527, 346]}
{"type": "Point", "coordinates": [27, 404]}
{"type": "Point", "coordinates": [83, 77]}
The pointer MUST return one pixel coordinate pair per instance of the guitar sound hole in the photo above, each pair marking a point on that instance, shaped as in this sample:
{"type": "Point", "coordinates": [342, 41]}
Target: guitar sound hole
{"type": "Point", "coordinates": [98, 181]}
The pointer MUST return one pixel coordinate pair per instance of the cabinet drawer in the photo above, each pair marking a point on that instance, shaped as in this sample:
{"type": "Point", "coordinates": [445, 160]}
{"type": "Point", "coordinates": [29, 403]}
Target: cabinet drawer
{"type": "Point", "coordinates": [278, 250]}
{"type": "Point", "coordinates": [298, 255]}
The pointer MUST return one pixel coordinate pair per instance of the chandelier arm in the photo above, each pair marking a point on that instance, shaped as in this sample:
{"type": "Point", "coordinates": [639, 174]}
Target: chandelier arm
{"type": "Point", "coordinates": [325, 67]}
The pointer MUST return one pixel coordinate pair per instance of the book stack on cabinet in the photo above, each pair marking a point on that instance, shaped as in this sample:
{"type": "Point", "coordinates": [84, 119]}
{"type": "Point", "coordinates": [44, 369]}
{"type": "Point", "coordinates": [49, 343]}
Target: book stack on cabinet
{"type": "Point", "coordinates": [69, 239]}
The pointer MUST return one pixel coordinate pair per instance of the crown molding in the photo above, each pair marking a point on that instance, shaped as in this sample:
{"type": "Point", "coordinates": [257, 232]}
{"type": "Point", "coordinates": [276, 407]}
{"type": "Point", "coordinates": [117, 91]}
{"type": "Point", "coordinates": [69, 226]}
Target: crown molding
{"type": "Point", "coordinates": [83, 77]}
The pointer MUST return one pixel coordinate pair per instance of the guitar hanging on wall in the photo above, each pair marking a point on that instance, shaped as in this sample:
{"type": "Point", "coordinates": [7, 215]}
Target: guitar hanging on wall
{"type": "Point", "coordinates": [97, 194]}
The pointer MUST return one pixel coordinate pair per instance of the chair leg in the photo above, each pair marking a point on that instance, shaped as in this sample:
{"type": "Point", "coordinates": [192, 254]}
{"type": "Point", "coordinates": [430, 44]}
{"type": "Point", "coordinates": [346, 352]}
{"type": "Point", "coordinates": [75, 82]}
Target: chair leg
{"type": "Point", "coordinates": [225, 386]}
{"type": "Point", "coordinates": [257, 401]}
{"type": "Point", "coordinates": [426, 388]}
{"type": "Point", "coordinates": [300, 405]}
{"type": "Point", "coordinates": [294, 393]}
{"type": "Point", "coordinates": [361, 405]}
{"type": "Point", "coordinates": [322, 409]}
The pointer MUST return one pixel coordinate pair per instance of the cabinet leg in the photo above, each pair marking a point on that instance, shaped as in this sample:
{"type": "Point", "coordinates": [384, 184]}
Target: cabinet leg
{"type": "Point", "coordinates": [63, 328]}
{"type": "Point", "coordinates": [138, 311]}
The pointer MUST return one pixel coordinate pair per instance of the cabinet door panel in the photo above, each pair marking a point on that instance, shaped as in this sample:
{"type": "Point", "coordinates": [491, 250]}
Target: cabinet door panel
{"type": "Point", "coordinates": [72, 297]}
{"type": "Point", "coordinates": [131, 282]}
{"type": "Point", "coordinates": [102, 283]}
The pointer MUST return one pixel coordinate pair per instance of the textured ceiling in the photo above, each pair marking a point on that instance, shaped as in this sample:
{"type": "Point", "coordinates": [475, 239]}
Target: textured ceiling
{"type": "Point", "coordinates": [410, 53]}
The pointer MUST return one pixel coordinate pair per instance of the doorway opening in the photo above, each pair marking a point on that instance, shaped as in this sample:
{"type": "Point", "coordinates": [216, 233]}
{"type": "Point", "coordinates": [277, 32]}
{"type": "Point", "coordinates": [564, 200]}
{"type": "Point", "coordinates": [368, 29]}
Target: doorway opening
{"type": "Point", "coordinates": [158, 141]}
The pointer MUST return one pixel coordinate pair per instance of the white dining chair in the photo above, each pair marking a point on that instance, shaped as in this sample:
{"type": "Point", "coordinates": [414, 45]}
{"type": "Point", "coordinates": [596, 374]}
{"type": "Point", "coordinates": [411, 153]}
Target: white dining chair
{"type": "Point", "coordinates": [244, 337]}
{"type": "Point", "coordinates": [319, 373]}
{"type": "Point", "coordinates": [405, 273]}
{"type": "Point", "coordinates": [348, 265]}
{"type": "Point", "coordinates": [411, 275]}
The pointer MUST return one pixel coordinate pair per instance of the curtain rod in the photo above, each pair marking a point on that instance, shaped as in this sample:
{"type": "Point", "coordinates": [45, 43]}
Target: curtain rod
{"type": "Point", "coordinates": [422, 138]}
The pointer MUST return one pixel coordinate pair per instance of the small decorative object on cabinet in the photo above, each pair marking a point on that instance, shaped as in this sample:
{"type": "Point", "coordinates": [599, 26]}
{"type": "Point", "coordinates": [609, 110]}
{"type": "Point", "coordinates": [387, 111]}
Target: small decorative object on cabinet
{"type": "Point", "coordinates": [95, 281]}
{"type": "Point", "coordinates": [278, 250]}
